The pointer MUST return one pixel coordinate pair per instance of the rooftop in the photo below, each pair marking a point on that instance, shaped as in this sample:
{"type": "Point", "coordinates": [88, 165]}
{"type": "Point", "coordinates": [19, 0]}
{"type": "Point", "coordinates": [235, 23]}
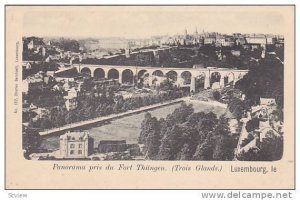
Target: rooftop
{"type": "Point", "coordinates": [75, 136]}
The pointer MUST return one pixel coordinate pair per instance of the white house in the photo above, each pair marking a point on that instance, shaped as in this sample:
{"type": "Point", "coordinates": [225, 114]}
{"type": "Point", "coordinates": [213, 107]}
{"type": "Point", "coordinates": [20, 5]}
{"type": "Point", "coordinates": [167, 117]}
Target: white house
{"type": "Point", "coordinates": [76, 145]}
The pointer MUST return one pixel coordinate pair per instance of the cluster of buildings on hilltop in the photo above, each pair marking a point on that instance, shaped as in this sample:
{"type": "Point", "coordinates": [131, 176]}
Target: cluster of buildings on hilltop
{"type": "Point", "coordinates": [111, 47]}
{"type": "Point", "coordinates": [247, 41]}
{"type": "Point", "coordinates": [217, 39]}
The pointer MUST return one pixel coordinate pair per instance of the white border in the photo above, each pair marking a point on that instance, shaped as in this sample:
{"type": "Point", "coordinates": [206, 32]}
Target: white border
{"type": "Point", "coordinates": [128, 194]}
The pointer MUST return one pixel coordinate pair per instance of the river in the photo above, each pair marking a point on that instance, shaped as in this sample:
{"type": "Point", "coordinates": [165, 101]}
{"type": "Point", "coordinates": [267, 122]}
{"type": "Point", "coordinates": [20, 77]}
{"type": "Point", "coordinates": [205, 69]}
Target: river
{"type": "Point", "coordinates": [128, 128]}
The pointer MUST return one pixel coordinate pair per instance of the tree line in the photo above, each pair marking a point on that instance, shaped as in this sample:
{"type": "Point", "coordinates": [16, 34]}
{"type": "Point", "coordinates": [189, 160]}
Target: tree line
{"type": "Point", "coordinates": [264, 79]}
{"type": "Point", "coordinates": [186, 135]}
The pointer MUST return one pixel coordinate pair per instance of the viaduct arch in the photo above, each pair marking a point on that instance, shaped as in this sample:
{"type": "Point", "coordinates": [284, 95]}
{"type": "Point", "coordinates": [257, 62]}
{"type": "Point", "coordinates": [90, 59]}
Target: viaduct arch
{"type": "Point", "coordinates": [182, 77]}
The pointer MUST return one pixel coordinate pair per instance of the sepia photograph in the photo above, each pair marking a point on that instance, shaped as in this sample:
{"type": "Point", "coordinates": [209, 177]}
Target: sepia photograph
{"type": "Point", "coordinates": [210, 88]}
{"type": "Point", "coordinates": [185, 90]}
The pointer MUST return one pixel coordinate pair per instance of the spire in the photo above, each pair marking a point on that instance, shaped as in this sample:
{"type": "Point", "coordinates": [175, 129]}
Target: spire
{"type": "Point", "coordinates": [185, 32]}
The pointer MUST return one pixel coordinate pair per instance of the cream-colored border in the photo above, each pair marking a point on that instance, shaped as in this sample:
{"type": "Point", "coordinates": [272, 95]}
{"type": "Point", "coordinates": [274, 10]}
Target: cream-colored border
{"type": "Point", "coordinates": [26, 174]}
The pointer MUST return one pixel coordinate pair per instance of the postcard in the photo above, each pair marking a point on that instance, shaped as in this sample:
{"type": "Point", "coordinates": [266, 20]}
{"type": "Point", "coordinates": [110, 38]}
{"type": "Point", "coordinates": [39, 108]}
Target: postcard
{"type": "Point", "coordinates": [150, 97]}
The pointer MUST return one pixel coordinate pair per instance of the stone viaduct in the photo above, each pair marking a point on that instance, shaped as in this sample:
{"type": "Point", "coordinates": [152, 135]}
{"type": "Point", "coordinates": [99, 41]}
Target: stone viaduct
{"type": "Point", "coordinates": [183, 77]}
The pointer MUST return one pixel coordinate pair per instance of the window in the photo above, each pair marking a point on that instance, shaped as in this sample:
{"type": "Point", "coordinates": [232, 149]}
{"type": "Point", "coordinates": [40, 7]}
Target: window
{"type": "Point", "coordinates": [79, 151]}
{"type": "Point", "coordinates": [80, 146]}
{"type": "Point", "coordinates": [72, 146]}
{"type": "Point", "coordinates": [72, 152]}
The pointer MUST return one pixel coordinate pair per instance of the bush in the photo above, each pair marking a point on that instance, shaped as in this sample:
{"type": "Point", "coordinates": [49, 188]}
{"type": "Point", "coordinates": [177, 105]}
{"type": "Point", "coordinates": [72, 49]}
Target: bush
{"type": "Point", "coordinates": [216, 95]}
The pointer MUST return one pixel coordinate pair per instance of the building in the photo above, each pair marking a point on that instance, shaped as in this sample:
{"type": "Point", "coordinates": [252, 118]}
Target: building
{"type": "Point", "coordinates": [32, 83]}
{"type": "Point", "coordinates": [210, 40]}
{"type": "Point", "coordinates": [76, 145]}
{"type": "Point", "coordinates": [220, 40]}
{"type": "Point", "coordinates": [235, 53]}
{"type": "Point", "coordinates": [127, 53]}
{"type": "Point", "coordinates": [234, 126]}
{"type": "Point", "coordinates": [58, 87]}
{"type": "Point", "coordinates": [40, 113]}
{"type": "Point", "coordinates": [71, 103]}
{"type": "Point", "coordinates": [260, 40]}
{"type": "Point", "coordinates": [35, 44]}
{"type": "Point", "coordinates": [268, 101]}
{"type": "Point", "coordinates": [75, 92]}
{"type": "Point", "coordinates": [240, 41]}
{"type": "Point", "coordinates": [256, 42]}
{"type": "Point", "coordinates": [31, 45]}
{"type": "Point", "coordinates": [279, 41]}
{"type": "Point", "coordinates": [270, 39]}
{"type": "Point", "coordinates": [106, 146]}
{"type": "Point", "coordinates": [26, 65]}
{"type": "Point", "coordinates": [229, 42]}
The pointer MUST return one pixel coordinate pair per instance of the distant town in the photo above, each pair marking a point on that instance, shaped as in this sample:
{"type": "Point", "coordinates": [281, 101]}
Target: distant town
{"type": "Point", "coordinates": [191, 96]}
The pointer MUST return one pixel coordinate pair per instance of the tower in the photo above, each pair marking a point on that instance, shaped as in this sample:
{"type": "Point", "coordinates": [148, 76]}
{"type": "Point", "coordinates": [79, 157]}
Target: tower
{"type": "Point", "coordinates": [185, 32]}
{"type": "Point", "coordinates": [127, 51]}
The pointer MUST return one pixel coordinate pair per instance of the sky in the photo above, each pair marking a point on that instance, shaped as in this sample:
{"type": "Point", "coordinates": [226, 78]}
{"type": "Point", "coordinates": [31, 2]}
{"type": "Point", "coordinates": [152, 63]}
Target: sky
{"type": "Point", "coordinates": [144, 22]}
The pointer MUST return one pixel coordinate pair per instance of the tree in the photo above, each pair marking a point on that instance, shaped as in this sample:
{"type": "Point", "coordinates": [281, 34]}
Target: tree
{"type": "Point", "coordinates": [271, 147]}
{"type": "Point", "coordinates": [252, 124]}
{"type": "Point", "coordinates": [45, 123]}
{"type": "Point", "coordinates": [69, 45]}
{"type": "Point", "coordinates": [185, 153]}
{"type": "Point", "coordinates": [223, 142]}
{"type": "Point", "coordinates": [31, 141]}
{"type": "Point", "coordinates": [71, 117]}
{"type": "Point", "coordinates": [144, 128]}
{"type": "Point", "coordinates": [223, 147]}
{"type": "Point", "coordinates": [204, 150]}
{"type": "Point", "coordinates": [216, 95]}
{"type": "Point", "coordinates": [180, 114]}
{"type": "Point", "coordinates": [194, 119]}
{"type": "Point", "coordinates": [251, 155]}
{"type": "Point", "coordinates": [171, 144]}
{"type": "Point", "coordinates": [207, 123]}
{"type": "Point", "coordinates": [264, 79]}
{"type": "Point", "coordinates": [237, 107]}
{"type": "Point", "coordinates": [153, 138]}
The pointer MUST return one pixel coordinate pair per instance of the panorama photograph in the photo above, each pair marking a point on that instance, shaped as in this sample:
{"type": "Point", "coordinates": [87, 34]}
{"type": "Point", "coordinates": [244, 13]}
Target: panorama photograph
{"type": "Point", "coordinates": [152, 83]}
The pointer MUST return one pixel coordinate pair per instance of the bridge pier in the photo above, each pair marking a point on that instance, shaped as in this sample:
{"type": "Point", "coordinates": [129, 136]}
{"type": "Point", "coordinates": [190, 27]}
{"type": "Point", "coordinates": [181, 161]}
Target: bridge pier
{"type": "Point", "coordinates": [120, 78]}
{"type": "Point", "coordinates": [234, 82]}
{"type": "Point", "coordinates": [206, 82]}
{"type": "Point", "coordinates": [193, 84]}
{"type": "Point", "coordinates": [150, 79]}
{"type": "Point", "coordinates": [222, 82]}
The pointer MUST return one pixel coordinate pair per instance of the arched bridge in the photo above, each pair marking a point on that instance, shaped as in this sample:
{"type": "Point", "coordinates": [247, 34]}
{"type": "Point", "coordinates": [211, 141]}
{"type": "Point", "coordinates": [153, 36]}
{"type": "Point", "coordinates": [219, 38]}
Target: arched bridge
{"type": "Point", "coordinates": [183, 77]}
